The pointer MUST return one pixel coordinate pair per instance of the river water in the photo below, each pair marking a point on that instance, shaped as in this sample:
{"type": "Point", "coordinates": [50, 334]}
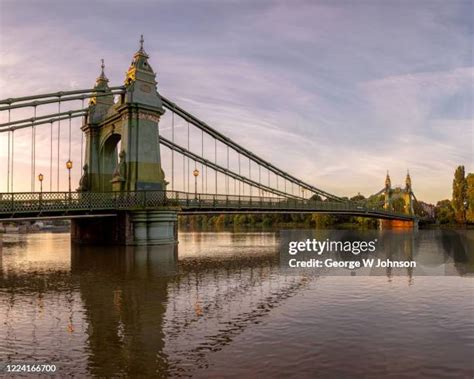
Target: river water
{"type": "Point", "coordinates": [219, 305]}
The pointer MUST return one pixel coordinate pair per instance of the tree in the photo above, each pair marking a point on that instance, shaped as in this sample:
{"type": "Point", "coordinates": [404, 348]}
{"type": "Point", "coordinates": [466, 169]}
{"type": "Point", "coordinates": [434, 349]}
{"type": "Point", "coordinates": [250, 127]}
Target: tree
{"type": "Point", "coordinates": [444, 212]}
{"type": "Point", "coordinates": [470, 198]}
{"type": "Point", "coordinates": [316, 197]}
{"type": "Point", "coordinates": [358, 197]}
{"type": "Point", "coordinates": [459, 201]}
{"type": "Point", "coordinates": [418, 209]}
{"type": "Point", "coordinates": [398, 205]}
{"type": "Point", "coordinates": [322, 221]}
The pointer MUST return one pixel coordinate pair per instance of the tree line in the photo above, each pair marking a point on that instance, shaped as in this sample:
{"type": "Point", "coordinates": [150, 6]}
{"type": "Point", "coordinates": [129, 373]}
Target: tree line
{"type": "Point", "coordinates": [314, 220]}
{"type": "Point", "coordinates": [460, 208]}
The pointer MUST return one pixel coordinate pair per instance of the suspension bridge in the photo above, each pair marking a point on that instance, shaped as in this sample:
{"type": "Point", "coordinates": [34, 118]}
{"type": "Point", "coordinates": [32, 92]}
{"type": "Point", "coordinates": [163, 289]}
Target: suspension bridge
{"type": "Point", "coordinates": [125, 138]}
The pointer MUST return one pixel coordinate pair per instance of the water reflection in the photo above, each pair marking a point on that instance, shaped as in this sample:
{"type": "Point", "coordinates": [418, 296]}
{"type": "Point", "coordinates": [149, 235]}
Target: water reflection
{"type": "Point", "coordinates": [124, 294]}
{"type": "Point", "coordinates": [151, 312]}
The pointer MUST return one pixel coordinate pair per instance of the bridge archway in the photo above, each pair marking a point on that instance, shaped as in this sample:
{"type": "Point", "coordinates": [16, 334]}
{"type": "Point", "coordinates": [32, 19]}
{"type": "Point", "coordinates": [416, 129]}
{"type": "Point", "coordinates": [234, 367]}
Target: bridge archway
{"type": "Point", "coordinates": [109, 159]}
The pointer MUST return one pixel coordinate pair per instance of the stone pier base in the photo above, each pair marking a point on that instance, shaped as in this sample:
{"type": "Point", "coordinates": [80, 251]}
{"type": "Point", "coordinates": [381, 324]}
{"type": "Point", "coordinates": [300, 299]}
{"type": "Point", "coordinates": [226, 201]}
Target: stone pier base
{"type": "Point", "coordinates": [128, 228]}
{"type": "Point", "coordinates": [398, 224]}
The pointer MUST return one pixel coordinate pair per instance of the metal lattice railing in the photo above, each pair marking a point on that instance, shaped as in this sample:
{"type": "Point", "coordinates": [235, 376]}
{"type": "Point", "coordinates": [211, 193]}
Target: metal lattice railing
{"type": "Point", "coordinates": [12, 204]}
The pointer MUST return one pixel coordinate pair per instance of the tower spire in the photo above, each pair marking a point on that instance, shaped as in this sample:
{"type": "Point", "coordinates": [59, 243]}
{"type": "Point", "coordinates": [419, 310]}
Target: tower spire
{"type": "Point", "coordinates": [140, 68]}
{"type": "Point", "coordinates": [141, 50]}
{"type": "Point", "coordinates": [101, 83]}
{"type": "Point", "coordinates": [408, 181]}
{"type": "Point", "coordinates": [102, 76]}
{"type": "Point", "coordinates": [388, 182]}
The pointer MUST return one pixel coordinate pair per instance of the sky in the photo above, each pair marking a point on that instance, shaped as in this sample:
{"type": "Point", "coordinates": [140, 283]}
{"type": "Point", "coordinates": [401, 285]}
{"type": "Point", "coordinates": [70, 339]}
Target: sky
{"type": "Point", "coordinates": [334, 92]}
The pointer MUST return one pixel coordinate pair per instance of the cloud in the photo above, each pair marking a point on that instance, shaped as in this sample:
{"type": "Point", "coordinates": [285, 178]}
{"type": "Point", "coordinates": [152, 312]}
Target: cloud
{"type": "Point", "coordinates": [332, 92]}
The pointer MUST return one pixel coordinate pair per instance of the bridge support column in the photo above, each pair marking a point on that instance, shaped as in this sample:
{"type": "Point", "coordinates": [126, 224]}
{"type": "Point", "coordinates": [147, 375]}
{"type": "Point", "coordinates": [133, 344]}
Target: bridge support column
{"type": "Point", "coordinates": [143, 228]}
{"type": "Point", "coordinates": [154, 227]}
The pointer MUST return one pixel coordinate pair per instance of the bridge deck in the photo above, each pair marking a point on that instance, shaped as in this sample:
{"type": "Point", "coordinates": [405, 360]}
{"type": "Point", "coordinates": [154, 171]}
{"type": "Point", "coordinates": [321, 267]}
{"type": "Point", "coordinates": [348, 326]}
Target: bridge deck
{"type": "Point", "coordinates": [34, 204]}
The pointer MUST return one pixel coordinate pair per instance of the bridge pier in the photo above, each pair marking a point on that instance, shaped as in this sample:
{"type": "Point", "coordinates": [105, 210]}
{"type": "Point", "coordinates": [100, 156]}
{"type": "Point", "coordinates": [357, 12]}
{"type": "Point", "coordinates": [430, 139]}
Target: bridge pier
{"type": "Point", "coordinates": [142, 228]}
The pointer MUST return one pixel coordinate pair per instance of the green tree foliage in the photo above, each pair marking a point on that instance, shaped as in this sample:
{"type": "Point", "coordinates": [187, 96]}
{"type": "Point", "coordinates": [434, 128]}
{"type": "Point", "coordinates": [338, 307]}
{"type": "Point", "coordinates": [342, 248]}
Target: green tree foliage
{"type": "Point", "coordinates": [459, 195]}
{"type": "Point", "coordinates": [470, 198]}
{"type": "Point", "coordinates": [375, 201]}
{"type": "Point", "coordinates": [418, 209]}
{"type": "Point", "coordinates": [444, 212]}
{"type": "Point", "coordinates": [316, 197]}
{"type": "Point", "coordinates": [398, 205]}
{"type": "Point", "coordinates": [358, 197]}
{"type": "Point", "coordinates": [322, 221]}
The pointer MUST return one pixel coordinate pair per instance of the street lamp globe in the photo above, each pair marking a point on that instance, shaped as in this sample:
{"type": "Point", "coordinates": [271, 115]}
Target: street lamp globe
{"type": "Point", "coordinates": [40, 177]}
{"type": "Point", "coordinates": [69, 164]}
{"type": "Point", "coordinates": [196, 172]}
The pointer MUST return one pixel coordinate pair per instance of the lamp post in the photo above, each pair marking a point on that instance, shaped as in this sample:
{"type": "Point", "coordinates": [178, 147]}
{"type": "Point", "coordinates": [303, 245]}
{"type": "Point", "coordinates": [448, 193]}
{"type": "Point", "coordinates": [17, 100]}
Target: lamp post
{"type": "Point", "coordinates": [196, 174]}
{"type": "Point", "coordinates": [69, 166]}
{"type": "Point", "coordinates": [40, 178]}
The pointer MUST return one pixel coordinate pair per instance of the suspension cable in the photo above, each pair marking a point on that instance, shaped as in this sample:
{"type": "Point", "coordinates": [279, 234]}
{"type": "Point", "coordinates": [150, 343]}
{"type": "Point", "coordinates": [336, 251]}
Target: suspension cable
{"type": "Point", "coordinates": [53, 101]}
{"type": "Point", "coordinates": [250, 177]}
{"type": "Point", "coordinates": [59, 138]}
{"type": "Point", "coordinates": [13, 156]}
{"type": "Point", "coordinates": [239, 174]}
{"type": "Point", "coordinates": [32, 165]}
{"type": "Point", "coordinates": [187, 172]}
{"type": "Point", "coordinates": [220, 169]}
{"type": "Point", "coordinates": [172, 151]}
{"type": "Point", "coordinates": [227, 177]}
{"type": "Point", "coordinates": [58, 94]}
{"type": "Point", "coordinates": [215, 134]}
{"type": "Point", "coordinates": [8, 164]}
{"type": "Point", "coordinates": [34, 154]}
{"type": "Point", "coordinates": [184, 173]}
{"type": "Point", "coordinates": [202, 164]}
{"type": "Point", "coordinates": [69, 152]}
{"type": "Point", "coordinates": [82, 137]}
{"type": "Point", "coordinates": [51, 158]}
{"type": "Point", "coordinates": [31, 161]}
{"type": "Point", "coordinates": [215, 160]}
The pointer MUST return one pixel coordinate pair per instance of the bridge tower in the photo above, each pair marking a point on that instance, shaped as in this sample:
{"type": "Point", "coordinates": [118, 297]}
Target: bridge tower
{"type": "Point", "coordinates": [123, 154]}
{"type": "Point", "coordinates": [408, 195]}
{"type": "Point", "coordinates": [388, 192]}
{"type": "Point", "coordinates": [130, 124]}
{"type": "Point", "coordinates": [392, 193]}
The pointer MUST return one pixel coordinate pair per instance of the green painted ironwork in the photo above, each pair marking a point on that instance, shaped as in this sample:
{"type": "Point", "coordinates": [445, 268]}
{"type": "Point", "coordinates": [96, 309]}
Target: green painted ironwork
{"type": "Point", "coordinates": [37, 204]}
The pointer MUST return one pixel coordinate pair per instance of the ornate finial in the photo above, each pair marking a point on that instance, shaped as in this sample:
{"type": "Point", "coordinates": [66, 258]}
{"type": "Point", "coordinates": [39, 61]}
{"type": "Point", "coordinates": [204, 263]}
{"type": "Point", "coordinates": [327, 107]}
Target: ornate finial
{"type": "Point", "coordinates": [102, 71]}
{"type": "Point", "coordinates": [141, 42]}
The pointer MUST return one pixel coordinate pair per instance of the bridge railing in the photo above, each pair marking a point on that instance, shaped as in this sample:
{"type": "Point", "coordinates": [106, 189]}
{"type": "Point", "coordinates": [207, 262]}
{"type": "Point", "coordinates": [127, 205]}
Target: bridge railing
{"type": "Point", "coordinates": [49, 202]}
